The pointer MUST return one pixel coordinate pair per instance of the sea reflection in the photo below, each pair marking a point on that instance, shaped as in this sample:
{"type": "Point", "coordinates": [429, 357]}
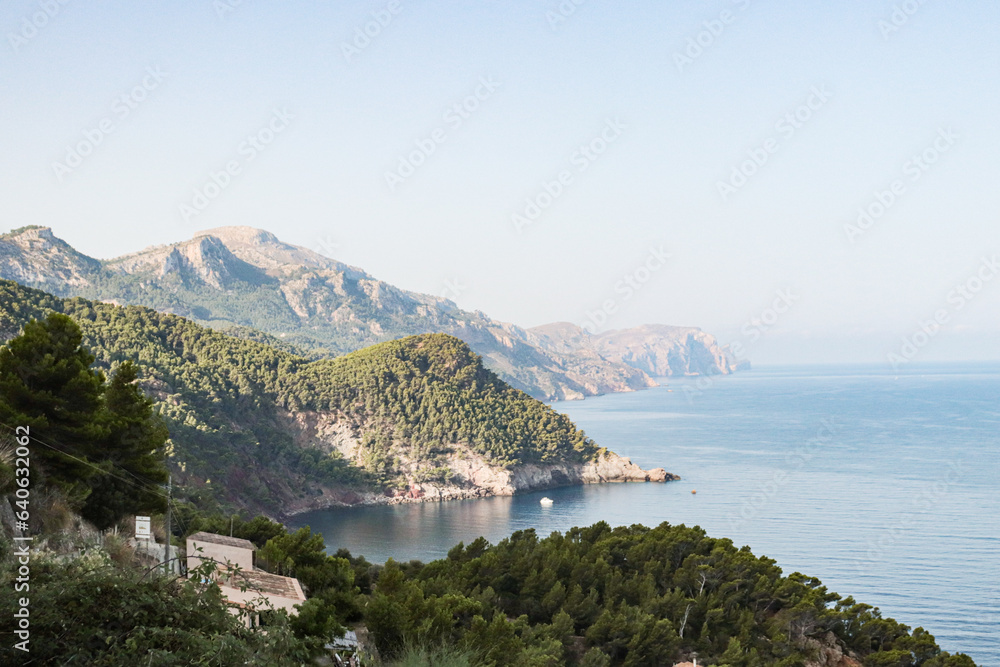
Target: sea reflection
{"type": "Point", "coordinates": [426, 531]}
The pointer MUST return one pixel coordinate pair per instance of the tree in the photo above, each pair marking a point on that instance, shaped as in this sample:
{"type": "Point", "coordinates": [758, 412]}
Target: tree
{"type": "Point", "coordinates": [132, 456]}
{"type": "Point", "coordinates": [47, 384]}
{"type": "Point", "coordinates": [285, 553]}
{"type": "Point", "coordinates": [316, 621]}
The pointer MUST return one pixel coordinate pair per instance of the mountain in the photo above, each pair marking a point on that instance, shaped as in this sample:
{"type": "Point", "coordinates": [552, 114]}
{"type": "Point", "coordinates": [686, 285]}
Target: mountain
{"type": "Point", "coordinates": [244, 277]}
{"type": "Point", "coordinates": [655, 349]}
{"type": "Point", "coordinates": [34, 256]}
{"type": "Point", "coordinates": [259, 428]}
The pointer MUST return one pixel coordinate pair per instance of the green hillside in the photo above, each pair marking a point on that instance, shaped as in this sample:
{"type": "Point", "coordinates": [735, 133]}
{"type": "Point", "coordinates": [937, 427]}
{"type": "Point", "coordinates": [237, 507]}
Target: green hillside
{"type": "Point", "coordinates": [633, 596]}
{"type": "Point", "coordinates": [226, 402]}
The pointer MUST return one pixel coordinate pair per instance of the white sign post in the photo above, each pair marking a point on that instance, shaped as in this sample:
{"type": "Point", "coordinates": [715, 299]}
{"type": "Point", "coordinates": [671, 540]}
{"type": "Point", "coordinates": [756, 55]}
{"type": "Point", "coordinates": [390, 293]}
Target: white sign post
{"type": "Point", "coordinates": [142, 530]}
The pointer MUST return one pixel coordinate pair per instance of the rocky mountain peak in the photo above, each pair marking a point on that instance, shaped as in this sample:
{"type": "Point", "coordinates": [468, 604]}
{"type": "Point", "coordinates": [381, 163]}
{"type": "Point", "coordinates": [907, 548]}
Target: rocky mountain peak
{"type": "Point", "coordinates": [30, 233]}
{"type": "Point", "coordinates": [264, 250]}
{"type": "Point", "coordinates": [34, 256]}
{"type": "Point", "coordinates": [207, 259]}
{"type": "Point", "coordinates": [241, 235]}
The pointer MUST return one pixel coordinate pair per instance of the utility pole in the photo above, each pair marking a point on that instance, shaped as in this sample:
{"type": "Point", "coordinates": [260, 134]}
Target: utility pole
{"type": "Point", "coordinates": [166, 564]}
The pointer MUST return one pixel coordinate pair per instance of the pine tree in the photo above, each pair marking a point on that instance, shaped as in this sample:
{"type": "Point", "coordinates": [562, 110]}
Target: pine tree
{"type": "Point", "coordinates": [47, 385]}
{"type": "Point", "coordinates": [132, 455]}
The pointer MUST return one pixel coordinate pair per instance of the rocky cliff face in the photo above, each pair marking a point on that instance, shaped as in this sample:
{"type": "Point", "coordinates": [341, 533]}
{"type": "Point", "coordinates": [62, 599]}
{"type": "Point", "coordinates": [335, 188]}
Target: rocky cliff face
{"type": "Point", "coordinates": [206, 260]}
{"type": "Point", "coordinates": [245, 277]}
{"type": "Point", "coordinates": [34, 256]}
{"type": "Point", "coordinates": [469, 474]}
{"type": "Point", "coordinates": [657, 350]}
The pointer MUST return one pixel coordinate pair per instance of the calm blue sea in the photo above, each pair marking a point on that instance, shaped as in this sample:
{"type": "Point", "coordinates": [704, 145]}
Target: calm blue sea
{"type": "Point", "coordinates": [882, 484]}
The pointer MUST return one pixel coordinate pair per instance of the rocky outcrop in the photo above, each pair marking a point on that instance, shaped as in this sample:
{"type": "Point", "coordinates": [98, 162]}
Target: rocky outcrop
{"type": "Point", "coordinates": [829, 652]}
{"type": "Point", "coordinates": [469, 475]}
{"type": "Point", "coordinates": [827, 649]}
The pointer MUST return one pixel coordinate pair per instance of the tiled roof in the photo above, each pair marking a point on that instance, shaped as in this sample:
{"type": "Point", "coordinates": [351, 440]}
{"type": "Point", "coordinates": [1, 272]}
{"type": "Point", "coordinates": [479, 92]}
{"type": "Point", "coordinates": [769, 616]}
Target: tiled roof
{"type": "Point", "coordinates": [272, 584]}
{"type": "Point", "coordinates": [212, 538]}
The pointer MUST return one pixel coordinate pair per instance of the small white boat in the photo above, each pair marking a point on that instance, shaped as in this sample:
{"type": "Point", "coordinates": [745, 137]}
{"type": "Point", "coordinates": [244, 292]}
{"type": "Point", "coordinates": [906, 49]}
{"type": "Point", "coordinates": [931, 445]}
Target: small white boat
{"type": "Point", "coordinates": [546, 501]}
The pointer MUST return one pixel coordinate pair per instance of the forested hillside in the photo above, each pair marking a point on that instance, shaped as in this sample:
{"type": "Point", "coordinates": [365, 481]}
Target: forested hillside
{"type": "Point", "coordinates": [226, 399]}
{"type": "Point", "coordinates": [591, 597]}
{"type": "Point", "coordinates": [633, 595]}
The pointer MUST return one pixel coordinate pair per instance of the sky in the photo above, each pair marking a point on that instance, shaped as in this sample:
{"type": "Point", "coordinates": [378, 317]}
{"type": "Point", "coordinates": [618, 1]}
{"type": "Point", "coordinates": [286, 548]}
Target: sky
{"type": "Point", "coordinates": [812, 182]}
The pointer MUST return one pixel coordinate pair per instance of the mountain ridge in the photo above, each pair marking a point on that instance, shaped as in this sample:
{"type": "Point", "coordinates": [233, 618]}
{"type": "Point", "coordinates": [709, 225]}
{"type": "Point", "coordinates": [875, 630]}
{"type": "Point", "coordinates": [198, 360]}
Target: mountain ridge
{"type": "Point", "coordinates": [246, 277]}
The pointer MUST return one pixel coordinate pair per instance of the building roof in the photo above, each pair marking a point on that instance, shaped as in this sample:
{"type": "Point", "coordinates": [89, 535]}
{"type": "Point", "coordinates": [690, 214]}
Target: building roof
{"type": "Point", "coordinates": [212, 538]}
{"type": "Point", "coordinates": [270, 584]}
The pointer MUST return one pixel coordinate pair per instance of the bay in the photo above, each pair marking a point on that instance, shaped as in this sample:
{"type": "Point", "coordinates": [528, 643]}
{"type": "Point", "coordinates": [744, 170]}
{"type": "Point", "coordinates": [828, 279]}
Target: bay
{"type": "Point", "coordinates": [881, 483]}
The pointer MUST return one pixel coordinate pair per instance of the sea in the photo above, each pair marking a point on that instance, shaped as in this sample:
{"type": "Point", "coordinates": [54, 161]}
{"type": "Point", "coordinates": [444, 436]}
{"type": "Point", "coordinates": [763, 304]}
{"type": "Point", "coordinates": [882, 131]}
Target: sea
{"type": "Point", "coordinates": [882, 483]}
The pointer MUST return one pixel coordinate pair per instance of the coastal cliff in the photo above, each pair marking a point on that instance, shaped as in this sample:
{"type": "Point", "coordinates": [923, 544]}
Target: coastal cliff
{"type": "Point", "coordinates": [652, 349]}
{"type": "Point", "coordinates": [461, 472]}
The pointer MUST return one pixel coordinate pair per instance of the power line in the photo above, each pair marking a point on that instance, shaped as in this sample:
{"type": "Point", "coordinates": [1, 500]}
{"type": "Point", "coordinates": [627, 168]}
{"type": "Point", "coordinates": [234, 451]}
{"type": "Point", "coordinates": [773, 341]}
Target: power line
{"type": "Point", "coordinates": [148, 486]}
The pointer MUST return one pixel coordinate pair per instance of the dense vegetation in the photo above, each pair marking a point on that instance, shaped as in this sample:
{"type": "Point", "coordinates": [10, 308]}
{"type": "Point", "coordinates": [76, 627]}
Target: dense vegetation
{"type": "Point", "coordinates": [630, 596]}
{"type": "Point", "coordinates": [226, 400]}
{"type": "Point", "coordinates": [592, 596]}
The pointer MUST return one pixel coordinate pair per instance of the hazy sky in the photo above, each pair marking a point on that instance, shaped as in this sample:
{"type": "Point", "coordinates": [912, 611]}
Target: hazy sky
{"type": "Point", "coordinates": [740, 138]}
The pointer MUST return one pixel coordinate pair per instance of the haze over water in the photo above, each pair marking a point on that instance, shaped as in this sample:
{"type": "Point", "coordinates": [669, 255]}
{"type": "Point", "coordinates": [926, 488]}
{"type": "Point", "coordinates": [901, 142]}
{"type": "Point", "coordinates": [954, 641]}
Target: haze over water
{"type": "Point", "coordinates": [881, 484]}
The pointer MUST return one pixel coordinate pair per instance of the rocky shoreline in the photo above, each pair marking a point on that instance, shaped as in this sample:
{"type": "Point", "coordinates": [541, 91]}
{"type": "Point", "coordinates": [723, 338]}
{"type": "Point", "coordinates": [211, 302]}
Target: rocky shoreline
{"type": "Point", "coordinates": [475, 478]}
{"type": "Point", "coordinates": [471, 475]}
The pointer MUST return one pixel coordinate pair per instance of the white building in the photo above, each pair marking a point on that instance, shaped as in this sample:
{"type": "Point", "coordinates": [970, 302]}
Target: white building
{"type": "Point", "coordinates": [221, 549]}
{"type": "Point", "coordinates": [280, 592]}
